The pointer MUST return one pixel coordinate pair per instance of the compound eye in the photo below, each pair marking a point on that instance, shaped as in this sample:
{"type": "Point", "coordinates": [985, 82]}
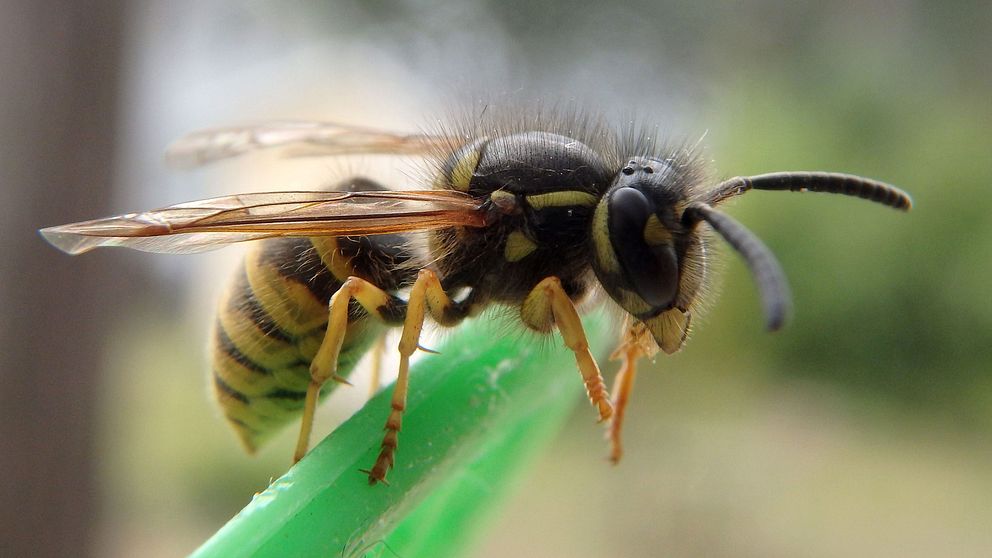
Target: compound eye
{"type": "Point", "coordinates": [650, 269]}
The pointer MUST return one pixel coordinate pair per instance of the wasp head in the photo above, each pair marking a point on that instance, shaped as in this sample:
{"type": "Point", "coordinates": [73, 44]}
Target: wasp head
{"type": "Point", "coordinates": [644, 257]}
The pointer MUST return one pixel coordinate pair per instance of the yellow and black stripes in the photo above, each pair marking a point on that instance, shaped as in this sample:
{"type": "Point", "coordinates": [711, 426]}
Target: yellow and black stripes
{"type": "Point", "coordinates": [274, 315]}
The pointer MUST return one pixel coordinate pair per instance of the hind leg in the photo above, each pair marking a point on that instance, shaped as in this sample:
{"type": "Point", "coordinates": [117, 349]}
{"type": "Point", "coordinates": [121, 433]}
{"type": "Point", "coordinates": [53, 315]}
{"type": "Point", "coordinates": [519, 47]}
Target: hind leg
{"type": "Point", "coordinates": [427, 295]}
{"type": "Point", "coordinates": [324, 365]}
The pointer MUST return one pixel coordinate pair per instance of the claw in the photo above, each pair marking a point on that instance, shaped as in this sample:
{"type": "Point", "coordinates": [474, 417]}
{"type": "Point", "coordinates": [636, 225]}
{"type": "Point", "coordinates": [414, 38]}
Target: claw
{"type": "Point", "coordinates": [340, 380]}
{"type": "Point", "coordinates": [426, 350]}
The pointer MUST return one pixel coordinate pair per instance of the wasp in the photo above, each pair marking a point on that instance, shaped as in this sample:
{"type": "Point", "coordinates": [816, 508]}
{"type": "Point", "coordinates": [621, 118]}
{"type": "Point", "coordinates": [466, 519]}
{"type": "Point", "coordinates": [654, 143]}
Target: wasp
{"type": "Point", "coordinates": [537, 215]}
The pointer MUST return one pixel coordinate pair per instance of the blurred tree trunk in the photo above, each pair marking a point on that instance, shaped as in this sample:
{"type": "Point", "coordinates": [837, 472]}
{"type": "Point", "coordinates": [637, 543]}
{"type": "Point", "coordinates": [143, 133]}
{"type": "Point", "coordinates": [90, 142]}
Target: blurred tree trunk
{"type": "Point", "coordinates": [60, 67]}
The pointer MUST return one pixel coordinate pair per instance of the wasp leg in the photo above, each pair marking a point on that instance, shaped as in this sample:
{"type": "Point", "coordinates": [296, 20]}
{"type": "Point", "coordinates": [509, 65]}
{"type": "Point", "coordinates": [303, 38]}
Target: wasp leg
{"type": "Point", "coordinates": [548, 304]}
{"type": "Point", "coordinates": [377, 351]}
{"type": "Point", "coordinates": [325, 363]}
{"type": "Point", "coordinates": [636, 343]}
{"type": "Point", "coordinates": [426, 295]}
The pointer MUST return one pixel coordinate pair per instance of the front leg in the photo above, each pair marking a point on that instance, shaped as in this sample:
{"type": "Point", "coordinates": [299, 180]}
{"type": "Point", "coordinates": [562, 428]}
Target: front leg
{"type": "Point", "coordinates": [547, 305]}
{"type": "Point", "coordinates": [635, 344]}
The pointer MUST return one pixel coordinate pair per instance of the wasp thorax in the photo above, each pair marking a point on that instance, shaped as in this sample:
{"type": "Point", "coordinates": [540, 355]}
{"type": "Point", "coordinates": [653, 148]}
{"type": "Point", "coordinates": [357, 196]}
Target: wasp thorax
{"type": "Point", "coordinates": [637, 245]}
{"type": "Point", "coordinates": [541, 189]}
{"type": "Point", "coordinates": [527, 163]}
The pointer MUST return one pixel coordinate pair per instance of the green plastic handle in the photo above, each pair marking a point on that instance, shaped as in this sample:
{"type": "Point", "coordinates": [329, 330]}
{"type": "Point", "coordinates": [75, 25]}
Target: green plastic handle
{"type": "Point", "coordinates": [476, 415]}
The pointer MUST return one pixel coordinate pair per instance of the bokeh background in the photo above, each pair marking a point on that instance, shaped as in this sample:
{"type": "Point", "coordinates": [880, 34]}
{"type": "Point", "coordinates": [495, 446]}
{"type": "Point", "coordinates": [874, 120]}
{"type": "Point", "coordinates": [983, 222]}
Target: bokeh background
{"type": "Point", "coordinates": [863, 429]}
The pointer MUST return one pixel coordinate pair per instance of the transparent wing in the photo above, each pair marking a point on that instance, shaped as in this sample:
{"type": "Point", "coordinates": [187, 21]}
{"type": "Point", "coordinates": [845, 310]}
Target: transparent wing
{"type": "Point", "coordinates": [204, 225]}
{"type": "Point", "coordinates": [301, 139]}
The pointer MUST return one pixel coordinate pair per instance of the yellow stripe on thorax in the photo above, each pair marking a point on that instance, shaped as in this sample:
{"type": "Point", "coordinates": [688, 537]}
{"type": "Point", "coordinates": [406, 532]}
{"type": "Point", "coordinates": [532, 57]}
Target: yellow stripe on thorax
{"type": "Point", "coordinates": [562, 198]}
{"type": "Point", "coordinates": [461, 173]}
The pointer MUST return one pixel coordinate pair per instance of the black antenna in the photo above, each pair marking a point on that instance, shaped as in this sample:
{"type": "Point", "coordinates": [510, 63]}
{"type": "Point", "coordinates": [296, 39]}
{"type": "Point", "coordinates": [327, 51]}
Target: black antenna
{"type": "Point", "coordinates": [829, 182]}
{"type": "Point", "coordinates": [772, 284]}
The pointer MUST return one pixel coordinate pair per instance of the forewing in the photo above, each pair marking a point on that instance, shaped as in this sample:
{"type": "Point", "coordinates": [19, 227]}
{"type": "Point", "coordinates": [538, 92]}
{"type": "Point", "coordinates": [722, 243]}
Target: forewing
{"type": "Point", "coordinates": [300, 138]}
{"type": "Point", "coordinates": [208, 224]}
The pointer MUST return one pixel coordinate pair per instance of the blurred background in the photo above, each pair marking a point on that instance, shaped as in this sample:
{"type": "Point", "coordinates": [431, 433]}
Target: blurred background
{"type": "Point", "coordinates": [862, 429]}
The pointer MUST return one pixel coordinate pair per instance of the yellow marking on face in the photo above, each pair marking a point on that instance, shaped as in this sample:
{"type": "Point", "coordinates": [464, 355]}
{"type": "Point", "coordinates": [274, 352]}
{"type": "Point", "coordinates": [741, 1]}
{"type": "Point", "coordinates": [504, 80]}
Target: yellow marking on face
{"type": "Point", "coordinates": [670, 329]}
{"type": "Point", "coordinates": [605, 255]}
{"type": "Point", "coordinates": [518, 247]}
{"type": "Point", "coordinates": [461, 173]}
{"type": "Point", "coordinates": [632, 302]}
{"type": "Point", "coordinates": [563, 198]}
{"type": "Point", "coordinates": [655, 233]}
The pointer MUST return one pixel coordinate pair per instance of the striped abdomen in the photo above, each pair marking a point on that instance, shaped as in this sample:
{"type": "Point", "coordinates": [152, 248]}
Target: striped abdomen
{"type": "Point", "coordinates": [273, 317]}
